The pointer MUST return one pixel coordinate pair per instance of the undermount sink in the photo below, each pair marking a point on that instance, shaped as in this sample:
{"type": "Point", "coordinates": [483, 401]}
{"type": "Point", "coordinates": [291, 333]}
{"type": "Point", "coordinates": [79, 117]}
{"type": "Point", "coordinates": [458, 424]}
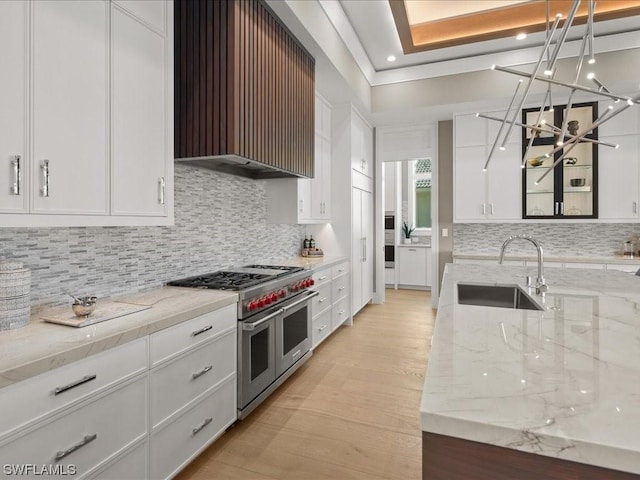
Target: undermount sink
{"type": "Point", "coordinates": [503, 296]}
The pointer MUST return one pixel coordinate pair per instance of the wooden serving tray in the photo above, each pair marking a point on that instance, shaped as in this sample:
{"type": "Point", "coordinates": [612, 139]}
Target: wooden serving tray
{"type": "Point", "coordinates": [104, 311]}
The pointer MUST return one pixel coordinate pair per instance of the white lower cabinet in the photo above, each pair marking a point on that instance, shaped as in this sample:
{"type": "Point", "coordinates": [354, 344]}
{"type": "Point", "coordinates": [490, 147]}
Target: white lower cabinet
{"type": "Point", "coordinates": [413, 266]}
{"type": "Point", "coordinates": [190, 376]}
{"type": "Point", "coordinates": [330, 308]}
{"type": "Point", "coordinates": [86, 436]}
{"type": "Point", "coordinates": [131, 465]}
{"type": "Point", "coordinates": [140, 410]}
{"type": "Point", "coordinates": [178, 442]}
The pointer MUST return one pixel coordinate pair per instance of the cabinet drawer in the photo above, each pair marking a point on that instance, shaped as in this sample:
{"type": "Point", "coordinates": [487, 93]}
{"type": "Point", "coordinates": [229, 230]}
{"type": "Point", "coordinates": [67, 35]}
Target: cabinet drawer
{"type": "Point", "coordinates": [340, 269]}
{"type": "Point", "coordinates": [339, 313]}
{"type": "Point", "coordinates": [87, 436]}
{"type": "Point", "coordinates": [174, 340]}
{"type": "Point", "coordinates": [172, 447]}
{"type": "Point", "coordinates": [133, 465]}
{"type": "Point", "coordinates": [322, 276]}
{"type": "Point", "coordinates": [176, 383]}
{"type": "Point", "coordinates": [35, 397]}
{"type": "Point", "coordinates": [321, 327]}
{"type": "Point", "coordinates": [340, 288]}
{"type": "Point", "coordinates": [321, 301]}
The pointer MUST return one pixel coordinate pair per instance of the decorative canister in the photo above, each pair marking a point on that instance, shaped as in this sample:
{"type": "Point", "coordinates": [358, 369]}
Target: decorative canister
{"type": "Point", "coordinates": [15, 295]}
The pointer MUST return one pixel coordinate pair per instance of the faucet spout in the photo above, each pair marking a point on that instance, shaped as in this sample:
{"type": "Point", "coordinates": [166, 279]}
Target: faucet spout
{"type": "Point", "coordinates": [541, 286]}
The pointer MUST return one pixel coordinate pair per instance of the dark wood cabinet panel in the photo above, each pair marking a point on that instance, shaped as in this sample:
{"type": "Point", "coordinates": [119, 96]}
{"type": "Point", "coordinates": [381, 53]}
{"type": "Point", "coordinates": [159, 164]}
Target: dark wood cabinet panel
{"type": "Point", "coordinates": [244, 86]}
{"type": "Point", "coordinates": [449, 458]}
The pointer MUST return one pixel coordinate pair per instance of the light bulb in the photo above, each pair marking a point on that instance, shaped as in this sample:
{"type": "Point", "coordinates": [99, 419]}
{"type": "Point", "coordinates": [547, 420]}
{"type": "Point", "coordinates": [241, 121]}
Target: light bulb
{"type": "Point", "coordinates": [591, 75]}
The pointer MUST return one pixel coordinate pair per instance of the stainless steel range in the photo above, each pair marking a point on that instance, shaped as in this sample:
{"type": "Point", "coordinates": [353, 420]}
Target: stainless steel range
{"type": "Point", "coordinates": [274, 325]}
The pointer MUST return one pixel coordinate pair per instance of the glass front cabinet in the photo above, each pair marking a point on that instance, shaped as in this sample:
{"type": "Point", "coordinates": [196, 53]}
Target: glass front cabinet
{"type": "Point", "coordinates": [566, 189]}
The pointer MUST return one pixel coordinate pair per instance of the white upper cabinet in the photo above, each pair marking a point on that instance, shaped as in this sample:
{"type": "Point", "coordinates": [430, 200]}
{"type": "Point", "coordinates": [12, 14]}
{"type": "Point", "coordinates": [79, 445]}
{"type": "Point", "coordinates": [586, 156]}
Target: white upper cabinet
{"type": "Point", "coordinates": [69, 107]}
{"type": "Point", "coordinates": [87, 111]}
{"type": "Point", "coordinates": [406, 142]}
{"type": "Point", "coordinates": [139, 116]}
{"type": "Point", "coordinates": [494, 195]}
{"type": "Point", "coordinates": [618, 168]}
{"type": "Point", "coordinates": [306, 201]}
{"type": "Point", "coordinates": [151, 12]}
{"type": "Point", "coordinates": [361, 145]}
{"type": "Point", "coordinates": [13, 113]}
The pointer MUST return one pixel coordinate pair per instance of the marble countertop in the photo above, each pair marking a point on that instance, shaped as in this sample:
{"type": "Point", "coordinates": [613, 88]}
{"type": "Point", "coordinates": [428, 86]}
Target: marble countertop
{"type": "Point", "coordinates": [315, 263]}
{"type": "Point", "coordinates": [563, 382]}
{"type": "Point", "coordinates": [40, 346]}
{"type": "Point", "coordinates": [621, 259]}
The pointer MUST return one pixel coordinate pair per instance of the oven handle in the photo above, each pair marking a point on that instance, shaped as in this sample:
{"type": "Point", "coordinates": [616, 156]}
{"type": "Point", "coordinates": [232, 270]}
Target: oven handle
{"type": "Point", "coordinates": [252, 326]}
{"type": "Point", "coordinates": [302, 300]}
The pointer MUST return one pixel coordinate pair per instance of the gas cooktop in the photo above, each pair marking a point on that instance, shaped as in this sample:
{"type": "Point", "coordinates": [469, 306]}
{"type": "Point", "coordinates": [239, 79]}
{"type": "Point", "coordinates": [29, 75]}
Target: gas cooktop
{"type": "Point", "coordinates": [238, 278]}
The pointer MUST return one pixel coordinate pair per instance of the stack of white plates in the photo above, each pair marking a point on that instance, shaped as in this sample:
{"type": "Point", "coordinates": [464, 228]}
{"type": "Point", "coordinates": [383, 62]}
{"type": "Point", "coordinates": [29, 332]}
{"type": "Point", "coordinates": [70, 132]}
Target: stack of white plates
{"type": "Point", "coordinates": [15, 292]}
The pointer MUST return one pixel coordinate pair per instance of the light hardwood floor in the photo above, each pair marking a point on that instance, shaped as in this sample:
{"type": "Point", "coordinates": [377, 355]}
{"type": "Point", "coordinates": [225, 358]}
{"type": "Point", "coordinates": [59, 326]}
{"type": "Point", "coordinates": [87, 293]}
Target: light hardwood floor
{"type": "Point", "coordinates": [351, 412]}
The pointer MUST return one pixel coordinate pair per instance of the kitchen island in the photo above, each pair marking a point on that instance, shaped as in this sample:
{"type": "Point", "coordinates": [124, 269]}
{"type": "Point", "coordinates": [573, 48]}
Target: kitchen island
{"type": "Point", "coordinates": [540, 394]}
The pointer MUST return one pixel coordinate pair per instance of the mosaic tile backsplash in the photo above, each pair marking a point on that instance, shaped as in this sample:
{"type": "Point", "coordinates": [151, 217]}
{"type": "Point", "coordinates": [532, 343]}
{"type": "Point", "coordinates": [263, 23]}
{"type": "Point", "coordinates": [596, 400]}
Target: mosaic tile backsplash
{"type": "Point", "coordinates": [219, 223]}
{"type": "Point", "coordinates": [561, 240]}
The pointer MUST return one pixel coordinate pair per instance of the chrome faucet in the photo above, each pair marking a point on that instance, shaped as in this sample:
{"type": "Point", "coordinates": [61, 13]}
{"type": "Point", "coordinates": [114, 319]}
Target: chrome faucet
{"type": "Point", "coordinates": [541, 286]}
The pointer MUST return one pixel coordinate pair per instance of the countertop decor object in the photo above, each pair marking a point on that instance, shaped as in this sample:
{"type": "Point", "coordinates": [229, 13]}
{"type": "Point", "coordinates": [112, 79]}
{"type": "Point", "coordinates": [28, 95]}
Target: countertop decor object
{"type": "Point", "coordinates": [407, 230]}
{"type": "Point", "coordinates": [89, 312]}
{"type": "Point", "coordinates": [15, 295]}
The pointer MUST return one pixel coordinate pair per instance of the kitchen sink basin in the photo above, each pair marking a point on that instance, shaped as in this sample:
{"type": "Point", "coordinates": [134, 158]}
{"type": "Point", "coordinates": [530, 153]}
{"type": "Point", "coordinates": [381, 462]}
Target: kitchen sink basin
{"type": "Point", "coordinates": [503, 296]}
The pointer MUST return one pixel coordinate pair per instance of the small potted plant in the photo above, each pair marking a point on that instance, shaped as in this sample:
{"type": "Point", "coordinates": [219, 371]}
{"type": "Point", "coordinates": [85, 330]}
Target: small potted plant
{"type": "Point", "coordinates": [407, 230]}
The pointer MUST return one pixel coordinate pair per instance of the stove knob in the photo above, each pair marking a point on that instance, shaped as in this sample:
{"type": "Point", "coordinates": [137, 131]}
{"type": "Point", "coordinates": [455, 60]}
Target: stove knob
{"type": "Point", "coordinates": [282, 293]}
{"type": "Point", "coordinates": [252, 305]}
{"type": "Point", "coordinates": [312, 282]}
{"type": "Point", "coordinates": [267, 300]}
{"type": "Point", "coordinates": [294, 287]}
{"type": "Point", "coordinates": [261, 302]}
{"type": "Point", "coordinates": [307, 283]}
{"type": "Point", "coordinates": [274, 297]}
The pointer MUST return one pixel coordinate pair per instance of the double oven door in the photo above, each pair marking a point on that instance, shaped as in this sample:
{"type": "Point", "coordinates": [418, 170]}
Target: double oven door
{"type": "Point", "coordinates": [270, 342]}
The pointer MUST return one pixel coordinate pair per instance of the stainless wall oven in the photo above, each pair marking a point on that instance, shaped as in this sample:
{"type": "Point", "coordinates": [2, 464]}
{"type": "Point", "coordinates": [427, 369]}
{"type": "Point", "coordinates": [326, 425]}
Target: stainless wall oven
{"type": "Point", "coordinates": [389, 240]}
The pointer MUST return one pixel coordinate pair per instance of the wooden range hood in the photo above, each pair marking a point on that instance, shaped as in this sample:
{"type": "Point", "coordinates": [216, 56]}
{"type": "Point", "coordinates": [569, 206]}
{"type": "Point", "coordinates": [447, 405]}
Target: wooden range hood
{"type": "Point", "coordinates": [244, 91]}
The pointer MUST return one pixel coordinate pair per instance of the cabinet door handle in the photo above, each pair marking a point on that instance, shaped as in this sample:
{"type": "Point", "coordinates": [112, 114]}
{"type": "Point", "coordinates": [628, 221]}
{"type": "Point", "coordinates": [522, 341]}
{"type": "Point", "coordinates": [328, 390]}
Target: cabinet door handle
{"type": "Point", "coordinates": [484, 209]}
{"type": "Point", "coordinates": [15, 188]}
{"type": "Point", "coordinates": [206, 369]}
{"type": "Point", "coordinates": [557, 207]}
{"type": "Point", "coordinates": [635, 207]}
{"type": "Point", "coordinates": [77, 383]}
{"type": "Point", "coordinates": [300, 206]}
{"type": "Point", "coordinates": [322, 328]}
{"type": "Point", "coordinates": [85, 441]}
{"type": "Point", "coordinates": [161, 190]}
{"type": "Point", "coordinates": [340, 289]}
{"type": "Point", "coordinates": [202, 330]}
{"type": "Point", "coordinates": [562, 208]}
{"type": "Point", "coordinates": [45, 178]}
{"type": "Point", "coordinates": [341, 312]}
{"type": "Point", "coordinates": [491, 208]}
{"type": "Point", "coordinates": [321, 300]}
{"type": "Point", "coordinates": [197, 429]}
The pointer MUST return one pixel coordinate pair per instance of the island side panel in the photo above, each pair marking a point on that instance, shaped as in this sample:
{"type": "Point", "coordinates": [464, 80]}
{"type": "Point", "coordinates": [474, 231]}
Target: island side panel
{"type": "Point", "coordinates": [449, 458]}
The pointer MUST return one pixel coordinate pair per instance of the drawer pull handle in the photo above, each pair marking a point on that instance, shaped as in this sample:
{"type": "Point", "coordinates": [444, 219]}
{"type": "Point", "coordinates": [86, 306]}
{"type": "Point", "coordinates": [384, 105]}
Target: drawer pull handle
{"type": "Point", "coordinates": [77, 383]}
{"type": "Point", "coordinates": [206, 369]}
{"type": "Point", "coordinates": [17, 177]}
{"type": "Point", "coordinates": [322, 328]}
{"type": "Point", "coordinates": [322, 299]}
{"type": "Point", "coordinates": [44, 165]}
{"type": "Point", "coordinates": [85, 441]}
{"type": "Point", "coordinates": [206, 422]}
{"type": "Point", "coordinates": [322, 278]}
{"type": "Point", "coordinates": [202, 330]}
{"type": "Point", "coordinates": [341, 312]}
{"type": "Point", "coordinates": [340, 289]}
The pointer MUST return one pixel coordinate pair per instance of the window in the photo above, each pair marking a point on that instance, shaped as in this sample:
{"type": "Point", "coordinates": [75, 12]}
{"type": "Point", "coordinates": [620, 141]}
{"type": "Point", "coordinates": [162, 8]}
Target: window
{"type": "Point", "coordinates": [420, 198]}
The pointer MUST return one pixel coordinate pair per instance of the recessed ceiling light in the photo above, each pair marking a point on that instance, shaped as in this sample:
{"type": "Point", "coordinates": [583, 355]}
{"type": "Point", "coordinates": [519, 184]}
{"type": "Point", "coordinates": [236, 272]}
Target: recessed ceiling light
{"type": "Point", "coordinates": [521, 36]}
{"type": "Point", "coordinates": [391, 58]}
